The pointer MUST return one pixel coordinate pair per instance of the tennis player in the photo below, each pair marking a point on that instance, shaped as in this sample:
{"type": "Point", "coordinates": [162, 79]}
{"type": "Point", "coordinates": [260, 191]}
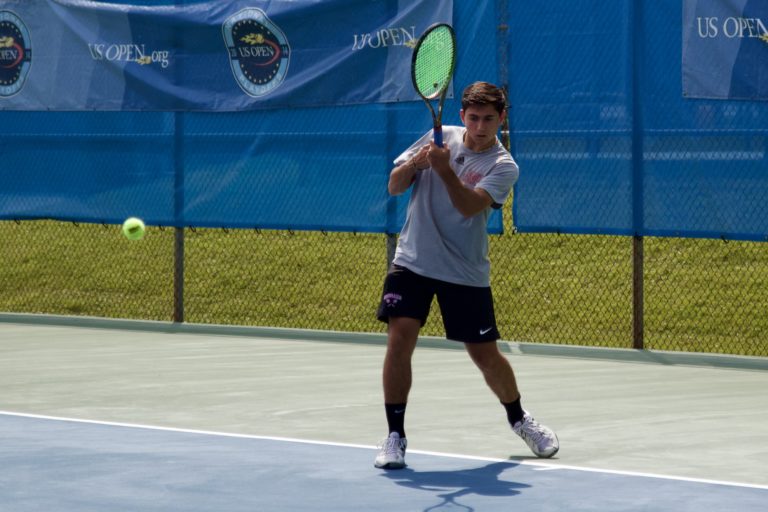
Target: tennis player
{"type": "Point", "coordinates": [443, 251]}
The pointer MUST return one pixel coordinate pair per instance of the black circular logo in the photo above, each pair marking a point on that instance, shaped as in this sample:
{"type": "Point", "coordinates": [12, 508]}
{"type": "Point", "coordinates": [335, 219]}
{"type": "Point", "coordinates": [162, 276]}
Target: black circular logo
{"type": "Point", "coordinates": [258, 50]}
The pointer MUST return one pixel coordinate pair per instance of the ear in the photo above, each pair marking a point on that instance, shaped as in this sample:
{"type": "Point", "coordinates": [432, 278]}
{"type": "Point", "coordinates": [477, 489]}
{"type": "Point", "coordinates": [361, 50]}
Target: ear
{"type": "Point", "coordinates": [461, 115]}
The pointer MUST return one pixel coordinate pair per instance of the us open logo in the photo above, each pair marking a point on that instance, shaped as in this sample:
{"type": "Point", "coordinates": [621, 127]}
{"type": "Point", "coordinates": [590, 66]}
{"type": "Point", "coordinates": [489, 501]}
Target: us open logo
{"type": "Point", "coordinates": [258, 51]}
{"type": "Point", "coordinates": [15, 54]}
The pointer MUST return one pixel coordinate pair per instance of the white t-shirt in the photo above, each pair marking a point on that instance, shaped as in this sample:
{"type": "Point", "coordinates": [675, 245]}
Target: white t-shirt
{"type": "Point", "coordinates": [436, 240]}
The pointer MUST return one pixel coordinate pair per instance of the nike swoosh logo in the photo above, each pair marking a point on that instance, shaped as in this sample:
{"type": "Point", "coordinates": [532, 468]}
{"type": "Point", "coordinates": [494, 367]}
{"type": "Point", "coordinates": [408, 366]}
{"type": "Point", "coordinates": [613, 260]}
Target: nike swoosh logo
{"type": "Point", "coordinates": [485, 331]}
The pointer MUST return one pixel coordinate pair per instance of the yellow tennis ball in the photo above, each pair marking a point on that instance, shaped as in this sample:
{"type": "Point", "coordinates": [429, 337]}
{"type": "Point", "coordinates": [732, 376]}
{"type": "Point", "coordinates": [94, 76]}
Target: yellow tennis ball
{"type": "Point", "coordinates": [133, 228]}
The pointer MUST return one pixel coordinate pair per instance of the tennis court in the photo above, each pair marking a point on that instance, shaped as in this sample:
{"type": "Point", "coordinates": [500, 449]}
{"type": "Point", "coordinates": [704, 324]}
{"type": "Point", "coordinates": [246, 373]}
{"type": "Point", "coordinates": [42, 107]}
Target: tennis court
{"type": "Point", "coordinates": [223, 116]}
{"type": "Point", "coordinates": [119, 415]}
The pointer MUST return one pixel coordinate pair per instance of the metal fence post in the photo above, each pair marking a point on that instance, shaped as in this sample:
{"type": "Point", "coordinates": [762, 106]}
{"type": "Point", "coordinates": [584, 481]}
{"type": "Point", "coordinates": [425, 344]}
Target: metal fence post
{"type": "Point", "coordinates": [178, 275]}
{"type": "Point", "coordinates": [638, 211]}
{"type": "Point", "coordinates": [391, 246]}
{"type": "Point", "coordinates": [178, 207]}
{"type": "Point", "coordinates": [178, 245]}
{"type": "Point", "coordinates": [638, 341]}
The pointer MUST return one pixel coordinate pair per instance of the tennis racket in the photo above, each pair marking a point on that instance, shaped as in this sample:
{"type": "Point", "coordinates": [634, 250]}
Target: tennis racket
{"type": "Point", "coordinates": [434, 59]}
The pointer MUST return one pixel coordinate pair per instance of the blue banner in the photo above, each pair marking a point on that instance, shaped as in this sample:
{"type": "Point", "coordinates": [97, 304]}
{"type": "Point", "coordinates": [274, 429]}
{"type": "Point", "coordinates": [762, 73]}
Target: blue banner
{"type": "Point", "coordinates": [607, 148]}
{"type": "Point", "coordinates": [209, 55]}
{"type": "Point", "coordinates": [725, 49]}
{"type": "Point", "coordinates": [299, 168]}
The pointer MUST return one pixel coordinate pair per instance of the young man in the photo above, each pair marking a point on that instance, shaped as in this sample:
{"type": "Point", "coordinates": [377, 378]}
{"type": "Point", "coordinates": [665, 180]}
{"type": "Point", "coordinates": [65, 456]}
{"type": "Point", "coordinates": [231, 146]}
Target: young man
{"type": "Point", "coordinates": [443, 251]}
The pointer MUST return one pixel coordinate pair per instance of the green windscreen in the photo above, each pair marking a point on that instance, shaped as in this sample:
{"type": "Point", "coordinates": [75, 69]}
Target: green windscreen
{"type": "Point", "coordinates": [433, 62]}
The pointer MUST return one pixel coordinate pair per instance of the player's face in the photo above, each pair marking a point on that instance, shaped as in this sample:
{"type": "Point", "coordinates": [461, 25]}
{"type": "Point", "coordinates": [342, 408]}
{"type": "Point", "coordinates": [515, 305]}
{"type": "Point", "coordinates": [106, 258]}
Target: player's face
{"type": "Point", "coordinates": [482, 122]}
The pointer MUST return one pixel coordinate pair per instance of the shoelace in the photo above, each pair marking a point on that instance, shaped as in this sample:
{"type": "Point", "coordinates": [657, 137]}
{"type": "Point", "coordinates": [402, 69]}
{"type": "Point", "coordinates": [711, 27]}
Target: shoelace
{"type": "Point", "coordinates": [533, 430]}
{"type": "Point", "coordinates": [391, 446]}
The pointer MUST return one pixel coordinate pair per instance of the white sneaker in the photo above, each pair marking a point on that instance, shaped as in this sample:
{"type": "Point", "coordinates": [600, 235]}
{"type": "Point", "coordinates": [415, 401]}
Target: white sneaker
{"type": "Point", "coordinates": [540, 439]}
{"type": "Point", "coordinates": [391, 452]}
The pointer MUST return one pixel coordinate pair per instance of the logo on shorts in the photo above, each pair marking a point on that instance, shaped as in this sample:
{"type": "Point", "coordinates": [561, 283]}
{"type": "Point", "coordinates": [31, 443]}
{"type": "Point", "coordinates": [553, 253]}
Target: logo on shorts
{"type": "Point", "coordinates": [391, 299]}
{"type": "Point", "coordinates": [15, 54]}
{"type": "Point", "coordinates": [258, 51]}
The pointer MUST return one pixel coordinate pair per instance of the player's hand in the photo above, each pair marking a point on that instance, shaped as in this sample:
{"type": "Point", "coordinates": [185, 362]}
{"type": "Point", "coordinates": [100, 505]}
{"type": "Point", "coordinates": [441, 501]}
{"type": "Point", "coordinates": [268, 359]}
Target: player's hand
{"type": "Point", "coordinates": [439, 158]}
{"type": "Point", "coordinates": [420, 158]}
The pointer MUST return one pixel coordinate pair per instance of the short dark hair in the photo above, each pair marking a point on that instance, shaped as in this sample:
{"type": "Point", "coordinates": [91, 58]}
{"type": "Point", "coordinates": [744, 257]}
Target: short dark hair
{"type": "Point", "coordinates": [484, 93]}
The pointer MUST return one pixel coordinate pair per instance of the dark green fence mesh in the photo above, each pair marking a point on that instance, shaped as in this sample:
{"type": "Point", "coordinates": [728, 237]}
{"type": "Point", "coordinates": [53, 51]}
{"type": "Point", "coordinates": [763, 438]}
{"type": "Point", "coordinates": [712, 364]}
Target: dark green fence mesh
{"type": "Point", "coordinates": [699, 295]}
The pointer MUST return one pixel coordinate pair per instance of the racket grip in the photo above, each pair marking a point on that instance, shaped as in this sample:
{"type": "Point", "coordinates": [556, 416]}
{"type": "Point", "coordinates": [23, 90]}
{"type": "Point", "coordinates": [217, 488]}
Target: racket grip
{"type": "Point", "coordinates": [438, 135]}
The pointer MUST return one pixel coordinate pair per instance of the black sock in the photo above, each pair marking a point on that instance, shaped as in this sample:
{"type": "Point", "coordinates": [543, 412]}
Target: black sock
{"type": "Point", "coordinates": [515, 411]}
{"type": "Point", "coordinates": [396, 418]}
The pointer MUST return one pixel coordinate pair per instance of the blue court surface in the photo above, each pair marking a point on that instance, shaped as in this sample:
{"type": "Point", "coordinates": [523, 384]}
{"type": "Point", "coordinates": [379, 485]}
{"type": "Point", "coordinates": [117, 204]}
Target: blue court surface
{"type": "Point", "coordinates": [58, 464]}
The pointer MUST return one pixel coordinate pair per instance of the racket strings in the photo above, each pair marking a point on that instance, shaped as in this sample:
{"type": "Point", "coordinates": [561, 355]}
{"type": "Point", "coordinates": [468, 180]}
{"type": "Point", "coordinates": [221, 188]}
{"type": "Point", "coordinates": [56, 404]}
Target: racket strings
{"type": "Point", "coordinates": [434, 60]}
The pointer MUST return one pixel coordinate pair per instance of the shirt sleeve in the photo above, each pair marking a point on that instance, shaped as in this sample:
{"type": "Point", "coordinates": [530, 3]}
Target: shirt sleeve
{"type": "Point", "coordinates": [498, 183]}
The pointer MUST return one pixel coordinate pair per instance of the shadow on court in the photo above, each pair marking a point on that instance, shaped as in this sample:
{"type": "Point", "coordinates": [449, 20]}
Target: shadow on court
{"type": "Point", "coordinates": [449, 486]}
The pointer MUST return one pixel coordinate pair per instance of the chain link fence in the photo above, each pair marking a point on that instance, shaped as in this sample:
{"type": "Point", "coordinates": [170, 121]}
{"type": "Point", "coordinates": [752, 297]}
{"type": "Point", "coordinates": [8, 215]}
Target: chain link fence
{"type": "Point", "coordinates": [699, 295]}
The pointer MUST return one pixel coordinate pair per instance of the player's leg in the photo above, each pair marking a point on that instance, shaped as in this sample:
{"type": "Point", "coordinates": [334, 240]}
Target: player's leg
{"type": "Point", "coordinates": [402, 334]}
{"type": "Point", "coordinates": [496, 370]}
{"type": "Point", "coordinates": [405, 304]}
{"type": "Point", "coordinates": [500, 376]}
{"type": "Point", "coordinates": [469, 317]}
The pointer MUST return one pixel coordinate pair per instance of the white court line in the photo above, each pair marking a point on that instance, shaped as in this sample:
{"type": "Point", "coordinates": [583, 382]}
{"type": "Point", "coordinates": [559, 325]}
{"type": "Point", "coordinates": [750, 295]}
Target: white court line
{"type": "Point", "coordinates": [538, 465]}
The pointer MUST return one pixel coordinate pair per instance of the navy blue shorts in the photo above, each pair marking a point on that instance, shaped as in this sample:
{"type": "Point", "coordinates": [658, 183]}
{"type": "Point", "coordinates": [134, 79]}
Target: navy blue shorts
{"type": "Point", "coordinates": [467, 311]}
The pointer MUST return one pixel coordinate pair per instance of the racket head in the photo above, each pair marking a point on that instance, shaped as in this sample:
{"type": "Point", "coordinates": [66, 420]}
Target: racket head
{"type": "Point", "coordinates": [433, 62]}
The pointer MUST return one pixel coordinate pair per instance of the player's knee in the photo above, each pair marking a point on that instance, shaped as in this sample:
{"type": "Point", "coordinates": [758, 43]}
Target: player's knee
{"type": "Point", "coordinates": [402, 334]}
{"type": "Point", "coordinates": [487, 359]}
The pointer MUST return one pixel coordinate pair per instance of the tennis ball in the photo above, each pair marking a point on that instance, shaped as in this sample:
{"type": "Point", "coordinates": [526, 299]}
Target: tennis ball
{"type": "Point", "coordinates": [133, 228]}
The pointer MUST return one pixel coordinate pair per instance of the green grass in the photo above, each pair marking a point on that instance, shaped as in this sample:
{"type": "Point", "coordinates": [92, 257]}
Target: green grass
{"type": "Point", "coordinates": [62, 268]}
{"type": "Point", "coordinates": [700, 295]}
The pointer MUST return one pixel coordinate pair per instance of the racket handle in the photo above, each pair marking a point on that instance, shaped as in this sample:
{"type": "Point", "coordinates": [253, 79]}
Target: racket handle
{"type": "Point", "coordinates": [438, 135]}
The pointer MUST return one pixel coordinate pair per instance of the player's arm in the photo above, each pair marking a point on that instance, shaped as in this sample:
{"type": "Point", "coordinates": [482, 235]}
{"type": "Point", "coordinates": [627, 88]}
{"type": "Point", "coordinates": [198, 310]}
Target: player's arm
{"type": "Point", "coordinates": [402, 176]}
{"type": "Point", "coordinates": [468, 201]}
